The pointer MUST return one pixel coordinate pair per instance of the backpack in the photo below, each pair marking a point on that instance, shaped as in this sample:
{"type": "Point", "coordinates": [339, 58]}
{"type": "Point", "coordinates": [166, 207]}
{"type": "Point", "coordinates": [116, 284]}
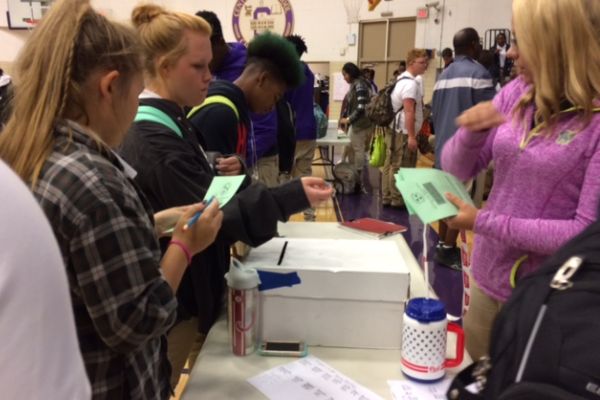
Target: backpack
{"type": "Point", "coordinates": [153, 114]}
{"type": "Point", "coordinates": [214, 99]}
{"type": "Point", "coordinates": [322, 122]}
{"type": "Point", "coordinates": [380, 110]}
{"type": "Point", "coordinates": [220, 99]}
{"type": "Point", "coordinates": [344, 178]}
{"type": "Point", "coordinates": [544, 343]}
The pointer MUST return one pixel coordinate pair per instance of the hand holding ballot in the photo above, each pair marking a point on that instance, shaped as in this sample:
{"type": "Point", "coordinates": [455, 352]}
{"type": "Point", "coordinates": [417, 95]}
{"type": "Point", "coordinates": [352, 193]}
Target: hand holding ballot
{"type": "Point", "coordinates": [203, 233]}
{"type": "Point", "coordinates": [424, 192]}
{"type": "Point", "coordinates": [467, 213]}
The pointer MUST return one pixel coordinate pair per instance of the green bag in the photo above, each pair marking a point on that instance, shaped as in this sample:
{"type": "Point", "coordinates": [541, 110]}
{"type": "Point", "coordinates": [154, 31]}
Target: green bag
{"type": "Point", "coordinates": [377, 156]}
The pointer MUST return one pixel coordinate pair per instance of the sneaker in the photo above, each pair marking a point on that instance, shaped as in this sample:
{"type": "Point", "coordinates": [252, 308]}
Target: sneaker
{"type": "Point", "coordinates": [448, 257]}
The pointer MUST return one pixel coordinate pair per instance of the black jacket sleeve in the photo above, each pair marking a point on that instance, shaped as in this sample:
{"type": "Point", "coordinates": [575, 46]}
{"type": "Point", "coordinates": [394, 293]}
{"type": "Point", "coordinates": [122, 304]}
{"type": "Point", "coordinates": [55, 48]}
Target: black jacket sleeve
{"type": "Point", "coordinates": [252, 215]}
{"type": "Point", "coordinates": [218, 125]}
{"type": "Point", "coordinates": [172, 173]}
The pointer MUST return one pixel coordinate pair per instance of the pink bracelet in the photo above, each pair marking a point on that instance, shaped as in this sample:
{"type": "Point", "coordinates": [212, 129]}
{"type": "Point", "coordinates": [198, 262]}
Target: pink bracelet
{"type": "Point", "coordinates": [184, 248]}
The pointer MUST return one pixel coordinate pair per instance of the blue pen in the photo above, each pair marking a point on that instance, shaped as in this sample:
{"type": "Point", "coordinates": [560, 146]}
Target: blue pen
{"type": "Point", "coordinates": [195, 217]}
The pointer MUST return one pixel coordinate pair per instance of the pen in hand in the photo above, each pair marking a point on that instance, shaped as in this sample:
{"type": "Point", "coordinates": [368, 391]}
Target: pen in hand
{"type": "Point", "coordinates": [195, 217]}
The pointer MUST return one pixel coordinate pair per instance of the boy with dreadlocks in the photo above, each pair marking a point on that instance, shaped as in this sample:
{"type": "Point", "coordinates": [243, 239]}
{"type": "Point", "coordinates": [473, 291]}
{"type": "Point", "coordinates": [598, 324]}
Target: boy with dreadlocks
{"type": "Point", "coordinates": [224, 121]}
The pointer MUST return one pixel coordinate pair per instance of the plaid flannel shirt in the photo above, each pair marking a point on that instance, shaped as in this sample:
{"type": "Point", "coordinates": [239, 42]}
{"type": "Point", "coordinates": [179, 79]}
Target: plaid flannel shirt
{"type": "Point", "coordinates": [123, 307]}
{"type": "Point", "coordinates": [359, 96]}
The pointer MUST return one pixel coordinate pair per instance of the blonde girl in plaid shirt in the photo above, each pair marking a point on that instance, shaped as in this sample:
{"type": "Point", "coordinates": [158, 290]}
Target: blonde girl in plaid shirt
{"type": "Point", "coordinates": [79, 78]}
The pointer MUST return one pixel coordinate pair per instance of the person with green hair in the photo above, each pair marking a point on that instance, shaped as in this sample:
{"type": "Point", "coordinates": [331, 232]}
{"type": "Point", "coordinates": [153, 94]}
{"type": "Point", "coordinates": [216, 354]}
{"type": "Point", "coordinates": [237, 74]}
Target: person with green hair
{"type": "Point", "coordinates": [224, 119]}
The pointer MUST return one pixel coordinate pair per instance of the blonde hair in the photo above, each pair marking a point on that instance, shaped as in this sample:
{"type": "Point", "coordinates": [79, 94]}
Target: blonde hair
{"type": "Point", "coordinates": [414, 54]}
{"type": "Point", "coordinates": [70, 43]}
{"type": "Point", "coordinates": [559, 41]}
{"type": "Point", "coordinates": [161, 33]}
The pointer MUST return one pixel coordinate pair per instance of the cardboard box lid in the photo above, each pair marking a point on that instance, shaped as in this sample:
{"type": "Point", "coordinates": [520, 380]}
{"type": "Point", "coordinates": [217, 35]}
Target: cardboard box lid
{"type": "Point", "coordinates": [371, 270]}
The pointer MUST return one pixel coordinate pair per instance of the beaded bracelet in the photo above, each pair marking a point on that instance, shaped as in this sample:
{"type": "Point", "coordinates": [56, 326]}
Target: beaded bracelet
{"type": "Point", "coordinates": [184, 248]}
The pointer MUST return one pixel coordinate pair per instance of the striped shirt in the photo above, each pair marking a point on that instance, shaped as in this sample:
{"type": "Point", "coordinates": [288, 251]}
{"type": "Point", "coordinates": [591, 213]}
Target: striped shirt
{"type": "Point", "coordinates": [123, 307]}
{"type": "Point", "coordinates": [460, 86]}
{"type": "Point", "coordinates": [358, 98]}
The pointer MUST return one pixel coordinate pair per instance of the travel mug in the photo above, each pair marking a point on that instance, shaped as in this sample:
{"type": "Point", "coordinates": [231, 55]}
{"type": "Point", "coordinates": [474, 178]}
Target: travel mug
{"type": "Point", "coordinates": [424, 335]}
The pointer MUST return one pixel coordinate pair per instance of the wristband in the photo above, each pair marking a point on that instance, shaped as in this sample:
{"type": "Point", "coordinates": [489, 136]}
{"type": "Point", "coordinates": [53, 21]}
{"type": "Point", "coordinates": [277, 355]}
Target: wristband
{"type": "Point", "coordinates": [184, 248]}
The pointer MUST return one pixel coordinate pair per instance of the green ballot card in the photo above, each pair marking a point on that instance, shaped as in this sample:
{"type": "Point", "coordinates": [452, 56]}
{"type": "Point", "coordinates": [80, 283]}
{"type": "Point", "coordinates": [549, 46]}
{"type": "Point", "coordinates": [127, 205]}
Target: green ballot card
{"type": "Point", "coordinates": [223, 188]}
{"type": "Point", "coordinates": [424, 189]}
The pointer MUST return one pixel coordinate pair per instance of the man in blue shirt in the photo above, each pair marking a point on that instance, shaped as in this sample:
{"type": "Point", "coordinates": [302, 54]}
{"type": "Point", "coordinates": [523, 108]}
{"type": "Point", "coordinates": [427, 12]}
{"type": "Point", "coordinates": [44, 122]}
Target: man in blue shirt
{"type": "Point", "coordinates": [460, 86]}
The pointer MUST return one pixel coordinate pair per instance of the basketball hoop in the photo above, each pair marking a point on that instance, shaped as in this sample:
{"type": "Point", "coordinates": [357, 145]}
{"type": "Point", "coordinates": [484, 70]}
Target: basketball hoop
{"type": "Point", "coordinates": [352, 10]}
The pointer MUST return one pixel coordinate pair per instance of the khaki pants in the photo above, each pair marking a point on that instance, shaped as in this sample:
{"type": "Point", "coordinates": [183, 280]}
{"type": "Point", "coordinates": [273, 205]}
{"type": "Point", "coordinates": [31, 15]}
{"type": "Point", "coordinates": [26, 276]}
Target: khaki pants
{"type": "Point", "coordinates": [184, 341]}
{"type": "Point", "coordinates": [397, 155]}
{"type": "Point", "coordinates": [478, 322]}
{"type": "Point", "coordinates": [357, 142]}
{"type": "Point", "coordinates": [305, 151]}
{"type": "Point", "coordinates": [268, 170]}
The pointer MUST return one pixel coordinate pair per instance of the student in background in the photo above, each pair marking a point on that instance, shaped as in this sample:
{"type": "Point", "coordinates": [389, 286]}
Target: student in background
{"type": "Point", "coordinates": [36, 314]}
{"type": "Point", "coordinates": [173, 167]}
{"type": "Point", "coordinates": [227, 126]}
{"type": "Point", "coordinates": [228, 59]}
{"type": "Point", "coordinates": [301, 101]}
{"type": "Point", "coordinates": [543, 133]}
{"type": "Point", "coordinates": [502, 63]}
{"type": "Point", "coordinates": [401, 142]}
{"type": "Point", "coordinates": [80, 95]}
{"type": "Point", "coordinates": [447, 57]}
{"type": "Point", "coordinates": [460, 86]}
{"type": "Point", "coordinates": [358, 125]}
{"type": "Point", "coordinates": [269, 140]}
{"type": "Point", "coordinates": [369, 76]}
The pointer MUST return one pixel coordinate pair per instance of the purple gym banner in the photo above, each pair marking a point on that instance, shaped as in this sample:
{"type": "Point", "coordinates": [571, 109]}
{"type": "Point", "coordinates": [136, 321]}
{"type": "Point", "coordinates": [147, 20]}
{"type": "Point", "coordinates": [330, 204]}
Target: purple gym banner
{"type": "Point", "coordinates": [252, 17]}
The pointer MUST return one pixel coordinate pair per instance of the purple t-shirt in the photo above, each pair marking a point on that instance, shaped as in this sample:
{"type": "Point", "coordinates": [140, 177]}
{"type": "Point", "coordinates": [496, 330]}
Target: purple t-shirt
{"type": "Point", "coordinates": [233, 65]}
{"type": "Point", "coordinates": [301, 100]}
{"type": "Point", "coordinates": [542, 196]}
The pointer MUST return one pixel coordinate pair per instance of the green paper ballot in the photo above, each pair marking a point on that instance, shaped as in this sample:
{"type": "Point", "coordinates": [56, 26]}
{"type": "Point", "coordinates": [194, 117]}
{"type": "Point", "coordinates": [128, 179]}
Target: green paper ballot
{"type": "Point", "coordinates": [223, 188]}
{"type": "Point", "coordinates": [424, 189]}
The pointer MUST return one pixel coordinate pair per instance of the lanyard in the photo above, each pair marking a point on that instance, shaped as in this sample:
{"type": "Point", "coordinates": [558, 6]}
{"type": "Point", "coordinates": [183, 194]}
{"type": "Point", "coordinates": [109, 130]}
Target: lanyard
{"type": "Point", "coordinates": [253, 155]}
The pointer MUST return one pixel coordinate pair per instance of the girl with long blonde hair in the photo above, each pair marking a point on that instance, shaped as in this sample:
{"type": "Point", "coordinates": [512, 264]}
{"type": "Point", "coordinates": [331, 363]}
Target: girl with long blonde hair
{"type": "Point", "coordinates": [173, 168]}
{"type": "Point", "coordinates": [543, 133]}
{"type": "Point", "coordinates": [78, 78]}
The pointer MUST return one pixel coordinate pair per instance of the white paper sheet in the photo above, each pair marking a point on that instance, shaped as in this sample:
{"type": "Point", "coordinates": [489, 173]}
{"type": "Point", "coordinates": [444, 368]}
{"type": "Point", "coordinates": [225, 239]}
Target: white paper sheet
{"type": "Point", "coordinates": [309, 378]}
{"type": "Point", "coordinates": [409, 390]}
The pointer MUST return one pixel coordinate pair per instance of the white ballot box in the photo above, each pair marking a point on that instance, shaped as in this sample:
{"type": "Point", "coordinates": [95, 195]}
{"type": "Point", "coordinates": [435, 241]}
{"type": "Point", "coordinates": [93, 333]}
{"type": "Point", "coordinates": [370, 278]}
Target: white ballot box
{"type": "Point", "coordinates": [352, 292]}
